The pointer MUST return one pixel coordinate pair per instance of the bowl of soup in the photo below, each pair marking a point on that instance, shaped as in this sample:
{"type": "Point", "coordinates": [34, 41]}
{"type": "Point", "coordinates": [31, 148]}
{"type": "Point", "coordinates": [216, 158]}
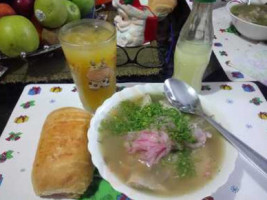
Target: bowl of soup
{"type": "Point", "coordinates": [249, 20]}
{"type": "Point", "coordinates": [147, 149]}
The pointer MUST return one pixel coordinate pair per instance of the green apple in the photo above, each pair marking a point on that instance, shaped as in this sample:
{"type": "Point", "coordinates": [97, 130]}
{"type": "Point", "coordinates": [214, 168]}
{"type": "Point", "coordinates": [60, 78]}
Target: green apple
{"type": "Point", "coordinates": [73, 11]}
{"type": "Point", "coordinates": [85, 6]}
{"type": "Point", "coordinates": [50, 13]}
{"type": "Point", "coordinates": [17, 35]}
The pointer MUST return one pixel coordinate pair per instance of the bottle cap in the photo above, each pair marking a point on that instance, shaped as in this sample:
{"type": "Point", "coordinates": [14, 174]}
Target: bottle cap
{"type": "Point", "coordinates": [205, 1]}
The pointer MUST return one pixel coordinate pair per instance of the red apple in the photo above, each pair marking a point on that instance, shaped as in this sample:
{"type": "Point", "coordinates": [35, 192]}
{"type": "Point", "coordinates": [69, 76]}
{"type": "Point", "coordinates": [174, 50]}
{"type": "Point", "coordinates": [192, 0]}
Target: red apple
{"type": "Point", "coordinates": [38, 27]}
{"type": "Point", "coordinates": [23, 7]}
{"type": "Point", "coordinates": [6, 9]}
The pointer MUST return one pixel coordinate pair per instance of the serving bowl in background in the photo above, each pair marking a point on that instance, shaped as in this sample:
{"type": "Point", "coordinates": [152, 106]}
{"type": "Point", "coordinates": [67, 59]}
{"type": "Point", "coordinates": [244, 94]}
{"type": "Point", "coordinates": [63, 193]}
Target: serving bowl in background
{"type": "Point", "coordinates": [225, 169]}
{"type": "Point", "coordinates": [247, 29]}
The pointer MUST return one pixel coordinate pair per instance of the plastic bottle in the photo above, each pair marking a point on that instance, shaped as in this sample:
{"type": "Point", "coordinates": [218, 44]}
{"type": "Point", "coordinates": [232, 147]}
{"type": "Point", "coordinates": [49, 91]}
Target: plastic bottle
{"type": "Point", "coordinates": [194, 46]}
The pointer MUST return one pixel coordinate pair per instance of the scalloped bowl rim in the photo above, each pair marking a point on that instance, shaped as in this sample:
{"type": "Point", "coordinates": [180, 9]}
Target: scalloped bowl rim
{"type": "Point", "coordinates": [228, 163]}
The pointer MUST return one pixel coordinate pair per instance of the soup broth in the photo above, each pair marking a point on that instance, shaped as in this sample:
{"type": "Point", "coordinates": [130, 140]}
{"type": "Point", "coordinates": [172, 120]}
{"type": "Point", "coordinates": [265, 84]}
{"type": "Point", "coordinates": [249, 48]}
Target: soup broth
{"type": "Point", "coordinates": [162, 178]}
{"type": "Point", "coordinates": [253, 13]}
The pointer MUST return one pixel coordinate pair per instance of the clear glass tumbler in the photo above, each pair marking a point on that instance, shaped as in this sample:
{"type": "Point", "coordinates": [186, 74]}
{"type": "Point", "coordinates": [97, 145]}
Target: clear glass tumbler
{"type": "Point", "coordinates": [90, 49]}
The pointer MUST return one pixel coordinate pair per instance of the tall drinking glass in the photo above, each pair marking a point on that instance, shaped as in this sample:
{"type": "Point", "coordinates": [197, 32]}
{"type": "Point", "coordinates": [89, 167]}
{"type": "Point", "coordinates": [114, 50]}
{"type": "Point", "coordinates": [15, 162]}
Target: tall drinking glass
{"type": "Point", "coordinates": [89, 46]}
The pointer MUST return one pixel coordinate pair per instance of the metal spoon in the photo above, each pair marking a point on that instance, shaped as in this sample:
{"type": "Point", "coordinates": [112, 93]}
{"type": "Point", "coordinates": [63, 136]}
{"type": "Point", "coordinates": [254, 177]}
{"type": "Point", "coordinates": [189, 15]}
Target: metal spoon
{"type": "Point", "coordinates": [185, 98]}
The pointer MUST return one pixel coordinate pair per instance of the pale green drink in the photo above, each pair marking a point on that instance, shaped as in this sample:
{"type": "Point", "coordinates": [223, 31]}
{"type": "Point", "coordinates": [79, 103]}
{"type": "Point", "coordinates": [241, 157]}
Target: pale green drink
{"type": "Point", "coordinates": [190, 62]}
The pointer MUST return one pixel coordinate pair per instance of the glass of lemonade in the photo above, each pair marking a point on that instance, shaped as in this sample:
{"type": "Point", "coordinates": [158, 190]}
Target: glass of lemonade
{"type": "Point", "coordinates": [90, 49]}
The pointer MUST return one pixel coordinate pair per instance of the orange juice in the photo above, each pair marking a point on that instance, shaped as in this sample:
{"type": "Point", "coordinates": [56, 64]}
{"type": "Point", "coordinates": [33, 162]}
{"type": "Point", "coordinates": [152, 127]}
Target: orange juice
{"type": "Point", "coordinates": [90, 50]}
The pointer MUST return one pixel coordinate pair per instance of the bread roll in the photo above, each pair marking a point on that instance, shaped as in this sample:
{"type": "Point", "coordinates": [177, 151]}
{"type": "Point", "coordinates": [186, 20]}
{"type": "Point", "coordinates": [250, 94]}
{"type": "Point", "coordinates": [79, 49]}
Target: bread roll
{"type": "Point", "coordinates": [162, 7]}
{"type": "Point", "coordinates": [62, 167]}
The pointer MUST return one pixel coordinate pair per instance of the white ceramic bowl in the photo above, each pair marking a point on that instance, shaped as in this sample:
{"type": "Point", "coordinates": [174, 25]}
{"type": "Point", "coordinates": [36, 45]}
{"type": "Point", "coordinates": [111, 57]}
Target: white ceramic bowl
{"type": "Point", "coordinates": [226, 168]}
{"type": "Point", "coordinates": [247, 29]}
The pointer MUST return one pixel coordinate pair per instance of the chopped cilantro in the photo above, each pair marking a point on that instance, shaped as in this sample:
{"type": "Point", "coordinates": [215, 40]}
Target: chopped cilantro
{"type": "Point", "coordinates": [185, 165]}
{"type": "Point", "coordinates": [129, 117]}
{"type": "Point", "coordinates": [181, 161]}
{"type": "Point", "coordinates": [132, 117]}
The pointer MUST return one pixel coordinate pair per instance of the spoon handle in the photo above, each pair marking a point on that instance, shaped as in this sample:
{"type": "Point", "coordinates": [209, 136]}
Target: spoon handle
{"type": "Point", "coordinates": [255, 158]}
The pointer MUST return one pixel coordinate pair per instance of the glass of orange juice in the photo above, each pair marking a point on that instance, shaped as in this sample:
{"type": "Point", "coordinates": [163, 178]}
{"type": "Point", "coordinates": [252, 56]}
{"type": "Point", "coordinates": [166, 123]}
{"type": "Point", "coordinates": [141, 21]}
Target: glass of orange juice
{"type": "Point", "coordinates": [90, 49]}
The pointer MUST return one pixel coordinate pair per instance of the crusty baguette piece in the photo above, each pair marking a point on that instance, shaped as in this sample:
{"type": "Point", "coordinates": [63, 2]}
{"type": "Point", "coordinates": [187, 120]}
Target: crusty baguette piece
{"type": "Point", "coordinates": [162, 7]}
{"type": "Point", "coordinates": [62, 167]}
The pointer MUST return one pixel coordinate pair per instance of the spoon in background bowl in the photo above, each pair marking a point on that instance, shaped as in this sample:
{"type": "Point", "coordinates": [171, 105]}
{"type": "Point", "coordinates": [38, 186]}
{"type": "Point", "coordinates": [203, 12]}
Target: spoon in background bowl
{"type": "Point", "coordinates": [185, 98]}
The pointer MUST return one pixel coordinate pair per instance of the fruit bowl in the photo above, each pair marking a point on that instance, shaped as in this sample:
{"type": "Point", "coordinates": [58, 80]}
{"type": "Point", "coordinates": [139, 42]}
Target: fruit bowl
{"type": "Point", "coordinates": [41, 50]}
{"type": "Point", "coordinates": [31, 28]}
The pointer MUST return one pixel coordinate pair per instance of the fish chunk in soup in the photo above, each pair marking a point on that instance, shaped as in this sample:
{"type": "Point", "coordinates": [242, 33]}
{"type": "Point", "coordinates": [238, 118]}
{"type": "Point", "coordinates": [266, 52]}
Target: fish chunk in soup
{"type": "Point", "coordinates": [155, 148]}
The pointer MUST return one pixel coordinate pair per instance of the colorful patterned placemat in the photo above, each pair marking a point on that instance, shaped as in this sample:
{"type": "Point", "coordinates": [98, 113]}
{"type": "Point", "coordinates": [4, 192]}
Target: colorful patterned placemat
{"type": "Point", "coordinates": [242, 59]}
{"type": "Point", "coordinates": [240, 107]}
